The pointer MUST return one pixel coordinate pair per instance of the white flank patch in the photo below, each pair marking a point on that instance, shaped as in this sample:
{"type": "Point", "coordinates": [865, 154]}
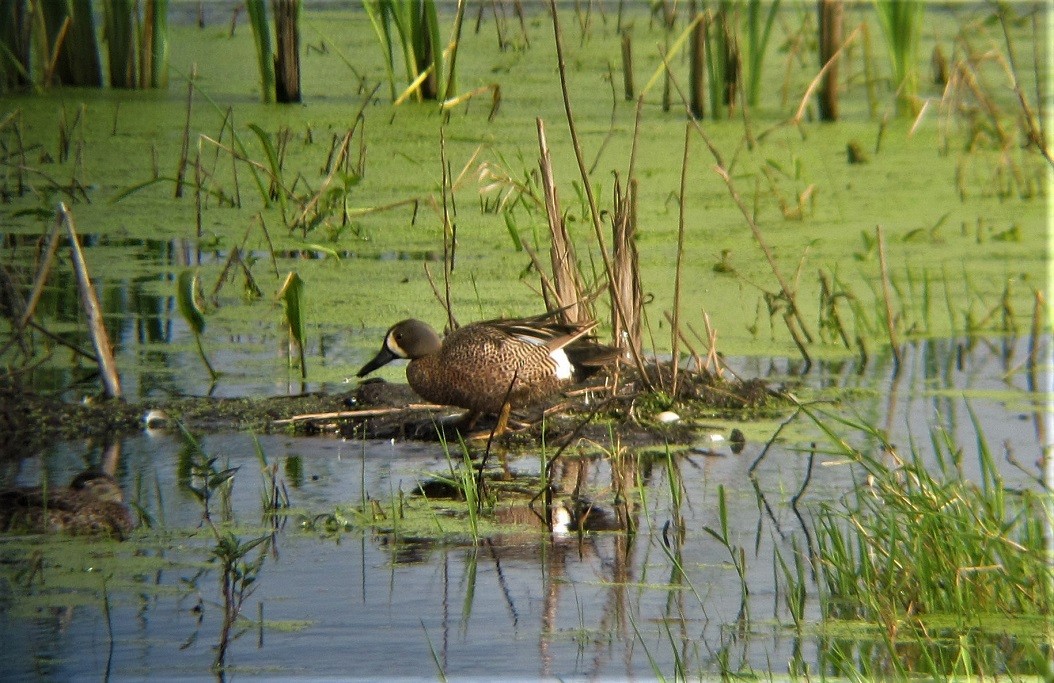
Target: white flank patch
{"type": "Point", "coordinates": [564, 369]}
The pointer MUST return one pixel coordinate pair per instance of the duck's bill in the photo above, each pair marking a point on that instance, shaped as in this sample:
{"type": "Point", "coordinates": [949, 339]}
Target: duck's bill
{"type": "Point", "coordinates": [381, 359]}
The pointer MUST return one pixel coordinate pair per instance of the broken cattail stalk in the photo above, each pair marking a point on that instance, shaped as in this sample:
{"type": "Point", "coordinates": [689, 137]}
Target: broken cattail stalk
{"type": "Point", "coordinates": [90, 303]}
{"type": "Point", "coordinates": [567, 285]}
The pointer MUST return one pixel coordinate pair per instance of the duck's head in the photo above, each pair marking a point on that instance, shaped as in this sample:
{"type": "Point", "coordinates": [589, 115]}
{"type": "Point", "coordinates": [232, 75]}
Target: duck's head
{"type": "Point", "coordinates": [98, 485]}
{"type": "Point", "coordinates": [407, 339]}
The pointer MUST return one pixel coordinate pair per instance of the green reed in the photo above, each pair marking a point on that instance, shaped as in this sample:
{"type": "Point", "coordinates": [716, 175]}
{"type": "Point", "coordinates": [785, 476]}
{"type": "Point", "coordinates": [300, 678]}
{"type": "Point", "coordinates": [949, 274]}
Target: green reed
{"type": "Point", "coordinates": [936, 568]}
{"type": "Point", "coordinates": [137, 43]}
{"type": "Point", "coordinates": [901, 22]}
{"type": "Point", "coordinates": [413, 27]}
{"type": "Point", "coordinates": [264, 52]}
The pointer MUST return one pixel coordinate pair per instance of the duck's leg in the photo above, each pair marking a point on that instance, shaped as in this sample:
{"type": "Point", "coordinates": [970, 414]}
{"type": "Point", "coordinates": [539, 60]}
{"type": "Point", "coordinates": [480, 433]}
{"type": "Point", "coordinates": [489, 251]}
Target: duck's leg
{"type": "Point", "coordinates": [503, 419]}
{"type": "Point", "coordinates": [500, 428]}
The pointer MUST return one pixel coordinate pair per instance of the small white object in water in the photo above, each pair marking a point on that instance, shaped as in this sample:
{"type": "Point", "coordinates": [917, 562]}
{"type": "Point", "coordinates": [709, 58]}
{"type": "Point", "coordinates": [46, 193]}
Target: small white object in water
{"type": "Point", "coordinates": [667, 416]}
{"type": "Point", "coordinates": [715, 437]}
{"type": "Point", "coordinates": [561, 520]}
{"type": "Point", "coordinates": [155, 419]}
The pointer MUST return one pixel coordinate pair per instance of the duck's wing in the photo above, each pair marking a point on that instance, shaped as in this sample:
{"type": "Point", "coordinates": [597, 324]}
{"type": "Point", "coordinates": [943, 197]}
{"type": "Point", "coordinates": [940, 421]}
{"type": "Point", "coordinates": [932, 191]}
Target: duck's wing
{"type": "Point", "coordinates": [542, 332]}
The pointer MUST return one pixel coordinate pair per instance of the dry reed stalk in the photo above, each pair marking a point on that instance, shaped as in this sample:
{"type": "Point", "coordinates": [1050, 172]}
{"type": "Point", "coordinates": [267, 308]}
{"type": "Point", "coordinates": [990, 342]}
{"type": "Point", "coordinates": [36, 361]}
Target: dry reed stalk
{"type": "Point", "coordinates": [567, 285]}
{"type": "Point", "coordinates": [818, 79]}
{"type": "Point", "coordinates": [887, 296]}
{"type": "Point", "coordinates": [712, 359]}
{"type": "Point", "coordinates": [92, 309]}
{"type": "Point", "coordinates": [675, 321]}
{"type": "Point", "coordinates": [594, 213]}
{"type": "Point", "coordinates": [1033, 124]}
{"type": "Point", "coordinates": [626, 266]}
{"type": "Point", "coordinates": [696, 360]}
{"type": "Point", "coordinates": [43, 271]}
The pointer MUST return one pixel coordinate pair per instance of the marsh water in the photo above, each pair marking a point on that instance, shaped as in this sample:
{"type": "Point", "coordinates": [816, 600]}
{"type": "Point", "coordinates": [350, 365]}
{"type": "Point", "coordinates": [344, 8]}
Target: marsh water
{"type": "Point", "coordinates": [522, 602]}
{"type": "Point", "coordinates": [352, 588]}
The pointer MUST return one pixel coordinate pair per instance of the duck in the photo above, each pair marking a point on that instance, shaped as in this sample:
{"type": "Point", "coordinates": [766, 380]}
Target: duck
{"type": "Point", "coordinates": [93, 504]}
{"type": "Point", "coordinates": [494, 366]}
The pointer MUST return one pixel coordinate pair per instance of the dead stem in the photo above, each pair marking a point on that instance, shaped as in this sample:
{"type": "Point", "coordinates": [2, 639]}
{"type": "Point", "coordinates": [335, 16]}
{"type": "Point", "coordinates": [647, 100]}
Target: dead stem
{"type": "Point", "coordinates": [365, 412]}
{"type": "Point", "coordinates": [1032, 123]}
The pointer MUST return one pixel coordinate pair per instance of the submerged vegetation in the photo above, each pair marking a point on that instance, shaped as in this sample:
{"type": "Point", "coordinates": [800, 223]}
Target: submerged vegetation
{"type": "Point", "coordinates": [704, 216]}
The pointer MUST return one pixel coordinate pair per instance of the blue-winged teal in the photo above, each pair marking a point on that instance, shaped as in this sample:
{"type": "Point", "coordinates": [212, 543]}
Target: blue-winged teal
{"type": "Point", "coordinates": [92, 504]}
{"type": "Point", "coordinates": [486, 364]}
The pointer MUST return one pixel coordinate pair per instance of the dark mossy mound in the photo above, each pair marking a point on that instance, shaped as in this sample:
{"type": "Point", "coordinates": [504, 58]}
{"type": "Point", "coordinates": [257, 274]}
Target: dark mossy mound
{"type": "Point", "coordinates": [382, 410]}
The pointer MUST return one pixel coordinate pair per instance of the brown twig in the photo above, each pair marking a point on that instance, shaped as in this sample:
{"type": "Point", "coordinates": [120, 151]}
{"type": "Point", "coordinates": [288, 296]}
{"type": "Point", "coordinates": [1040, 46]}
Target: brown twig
{"type": "Point", "coordinates": [365, 412]}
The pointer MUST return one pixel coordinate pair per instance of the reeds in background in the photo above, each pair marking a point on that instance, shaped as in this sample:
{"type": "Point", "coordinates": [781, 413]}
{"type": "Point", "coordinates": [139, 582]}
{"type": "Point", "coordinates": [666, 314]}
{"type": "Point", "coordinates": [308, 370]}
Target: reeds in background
{"type": "Point", "coordinates": [137, 43]}
{"type": "Point", "coordinates": [901, 22]}
{"type": "Point", "coordinates": [14, 45]}
{"type": "Point", "coordinates": [413, 27]}
{"type": "Point", "coordinates": [264, 52]}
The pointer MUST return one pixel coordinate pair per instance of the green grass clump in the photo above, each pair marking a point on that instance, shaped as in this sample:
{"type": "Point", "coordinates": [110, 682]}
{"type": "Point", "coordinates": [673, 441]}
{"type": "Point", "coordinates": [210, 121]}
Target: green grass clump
{"type": "Point", "coordinates": [952, 575]}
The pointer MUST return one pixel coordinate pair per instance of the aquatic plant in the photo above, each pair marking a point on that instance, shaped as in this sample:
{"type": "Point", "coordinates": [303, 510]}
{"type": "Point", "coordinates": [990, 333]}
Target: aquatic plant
{"type": "Point", "coordinates": [937, 562]}
{"type": "Point", "coordinates": [264, 52]}
{"type": "Point", "coordinates": [238, 572]}
{"type": "Point", "coordinates": [416, 32]}
{"type": "Point", "coordinates": [901, 22]}
{"type": "Point", "coordinates": [292, 296]}
{"type": "Point", "coordinates": [186, 301]}
{"type": "Point", "coordinates": [137, 43]}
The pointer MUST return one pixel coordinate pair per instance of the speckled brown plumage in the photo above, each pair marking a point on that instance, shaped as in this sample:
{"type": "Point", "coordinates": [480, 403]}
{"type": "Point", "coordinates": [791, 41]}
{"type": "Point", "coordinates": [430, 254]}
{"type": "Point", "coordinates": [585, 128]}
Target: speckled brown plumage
{"type": "Point", "coordinates": [474, 366]}
{"type": "Point", "coordinates": [92, 504]}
